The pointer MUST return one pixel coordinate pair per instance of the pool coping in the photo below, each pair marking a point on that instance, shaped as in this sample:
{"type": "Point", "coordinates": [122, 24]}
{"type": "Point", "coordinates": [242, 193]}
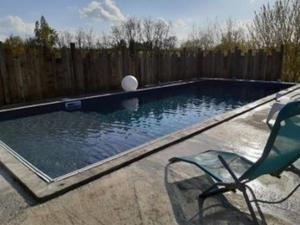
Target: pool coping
{"type": "Point", "coordinates": [43, 190]}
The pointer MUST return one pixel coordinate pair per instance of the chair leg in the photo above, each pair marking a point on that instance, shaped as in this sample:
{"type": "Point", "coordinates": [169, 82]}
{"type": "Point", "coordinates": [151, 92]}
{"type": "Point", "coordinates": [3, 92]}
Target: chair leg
{"type": "Point", "coordinates": [257, 205]}
{"type": "Point", "coordinates": [240, 186]}
{"type": "Point", "coordinates": [251, 210]}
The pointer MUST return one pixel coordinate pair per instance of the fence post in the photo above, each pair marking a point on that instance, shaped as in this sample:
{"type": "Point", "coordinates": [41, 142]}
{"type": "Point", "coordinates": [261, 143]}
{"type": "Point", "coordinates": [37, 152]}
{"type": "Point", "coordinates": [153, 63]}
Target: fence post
{"type": "Point", "coordinates": [73, 66]}
{"type": "Point", "coordinates": [4, 78]}
{"type": "Point", "coordinates": [199, 63]}
{"type": "Point", "coordinates": [77, 66]}
{"type": "Point", "coordinates": [280, 65]}
{"type": "Point", "coordinates": [183, 64]}
{"type": "Point", "coordinates": [156, 66]}
{"type": "Point", "coordinates": [2, 95]}
{"type": "Point", "coordinates": [19, 79]}
{"type": "Point", "coordinates": [261, 65]}
{"type": "Point", "coordinates": [233, 64]}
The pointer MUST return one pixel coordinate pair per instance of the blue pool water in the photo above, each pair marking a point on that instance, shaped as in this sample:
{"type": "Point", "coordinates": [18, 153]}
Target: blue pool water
{"type": "Point", "coordinates": [58, 141]}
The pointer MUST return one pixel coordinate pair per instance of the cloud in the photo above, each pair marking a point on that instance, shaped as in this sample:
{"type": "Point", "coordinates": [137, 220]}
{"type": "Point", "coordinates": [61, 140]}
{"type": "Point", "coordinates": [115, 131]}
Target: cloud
{"type": "Point", "coordinates": [106, 10]}
{"type": "Point", "coordinates": [20, 26]}
{"type": "Point", "coordinates": [14, 25]}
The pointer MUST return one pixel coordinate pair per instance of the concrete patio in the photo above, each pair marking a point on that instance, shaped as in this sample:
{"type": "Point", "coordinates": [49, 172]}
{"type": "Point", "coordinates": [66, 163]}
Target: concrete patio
{"type": "Point", "coordinates": [149, 191]}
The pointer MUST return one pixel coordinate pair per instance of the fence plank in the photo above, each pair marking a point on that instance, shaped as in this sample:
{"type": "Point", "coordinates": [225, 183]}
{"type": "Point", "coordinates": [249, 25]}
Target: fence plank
{"type": "Point", "coordinates": [4, 92]}
{"type": "Point", "coordinates": [4, 77]}
{"type": "Point", "coordinates": [11, 80]}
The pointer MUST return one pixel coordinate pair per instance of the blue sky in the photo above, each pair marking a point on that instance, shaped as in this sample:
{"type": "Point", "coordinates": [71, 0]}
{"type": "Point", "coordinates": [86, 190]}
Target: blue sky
{"type": "Point", "coordinates": [18, 17]}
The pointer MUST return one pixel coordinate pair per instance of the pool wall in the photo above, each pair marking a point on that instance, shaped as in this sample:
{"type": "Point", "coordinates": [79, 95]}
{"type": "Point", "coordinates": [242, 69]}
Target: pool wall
{"type": "Point", "coordinates": [43, 190]}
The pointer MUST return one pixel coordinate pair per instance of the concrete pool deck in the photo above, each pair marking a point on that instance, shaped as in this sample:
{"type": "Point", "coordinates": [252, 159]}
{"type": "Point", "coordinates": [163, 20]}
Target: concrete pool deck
{"type": "Point", "coordinates": [148, 191]}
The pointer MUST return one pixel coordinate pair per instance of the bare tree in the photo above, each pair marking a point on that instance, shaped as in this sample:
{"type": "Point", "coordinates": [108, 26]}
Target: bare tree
{"type": "Point", "coordinates": [157, 34]}
{"type": "Point", "coordinates": [203, 38]}
{"type": "Point", "coordinates": [64, 39]}
{"type": "Point", "coordinates": [148, 33]}
{"type": "Point", "coordinates": [296, 22]}
{"type": "Point", "coordinates": [277, 24]}
{"type": "Point", "coordinates": [132, 30]}
{"type": "Point", "coordinates": [80, 38]}
{"type": "Point", "coordinates": [232, 35]}
{"type": "Point", "coordinates": [117, 35]}
{"type": "Point", "coordinates": [170, 42]}
{"type": "Point", "coordinates": [161, 33]}
{"type": "Point", "coordinates": [224, 37]}
{"type": "Point", "coordinates": [103, 42]}
{"type": "Point", "coordinates": [90, 39]}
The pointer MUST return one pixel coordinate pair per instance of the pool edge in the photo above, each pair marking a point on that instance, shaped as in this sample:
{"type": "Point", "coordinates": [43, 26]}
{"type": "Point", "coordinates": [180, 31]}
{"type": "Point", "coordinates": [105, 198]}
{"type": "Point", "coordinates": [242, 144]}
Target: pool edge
{"type": "Point", "coordinates": [44, 191]}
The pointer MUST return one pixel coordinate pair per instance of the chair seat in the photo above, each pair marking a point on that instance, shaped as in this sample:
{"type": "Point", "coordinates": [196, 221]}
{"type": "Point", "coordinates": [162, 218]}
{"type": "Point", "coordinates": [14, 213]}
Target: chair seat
{"type": "Point", "coordinates": [209, 162]}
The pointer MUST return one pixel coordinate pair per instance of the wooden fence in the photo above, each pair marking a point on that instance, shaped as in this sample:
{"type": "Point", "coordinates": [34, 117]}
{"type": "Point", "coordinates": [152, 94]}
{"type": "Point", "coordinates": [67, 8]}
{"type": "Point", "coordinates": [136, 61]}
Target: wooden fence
{"type": "Point", "coordinates": [40, 73]}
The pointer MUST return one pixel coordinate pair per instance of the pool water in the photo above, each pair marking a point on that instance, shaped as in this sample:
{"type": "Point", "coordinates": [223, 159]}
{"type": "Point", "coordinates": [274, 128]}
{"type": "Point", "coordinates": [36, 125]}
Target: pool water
{"type": "Point", "coordinates": [61, 141]}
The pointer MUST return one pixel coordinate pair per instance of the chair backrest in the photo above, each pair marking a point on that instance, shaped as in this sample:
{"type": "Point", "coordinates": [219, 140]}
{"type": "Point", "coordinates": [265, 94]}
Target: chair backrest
{"type": "Point", "coordinates": [283, 146]}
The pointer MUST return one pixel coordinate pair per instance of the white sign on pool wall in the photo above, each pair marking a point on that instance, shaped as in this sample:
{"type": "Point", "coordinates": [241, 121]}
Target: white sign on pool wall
{"type": "Point", "coordinates": [129, 83]}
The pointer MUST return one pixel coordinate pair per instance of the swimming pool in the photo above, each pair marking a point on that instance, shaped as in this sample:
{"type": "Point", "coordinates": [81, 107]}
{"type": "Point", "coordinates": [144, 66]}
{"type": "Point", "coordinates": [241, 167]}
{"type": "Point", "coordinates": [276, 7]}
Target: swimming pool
{"type": "Point", "coordinates": [59, 138]}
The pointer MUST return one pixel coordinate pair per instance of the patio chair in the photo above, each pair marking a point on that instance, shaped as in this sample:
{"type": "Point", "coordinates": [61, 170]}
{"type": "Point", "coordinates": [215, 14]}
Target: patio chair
{"type": "Point", "coordinates": [232, 172]}
{"type": "Point", "coordinates": [279, 103]}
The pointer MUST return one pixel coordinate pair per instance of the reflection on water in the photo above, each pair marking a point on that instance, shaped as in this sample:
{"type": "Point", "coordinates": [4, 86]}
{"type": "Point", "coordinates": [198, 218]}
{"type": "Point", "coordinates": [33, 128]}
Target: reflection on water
{"type": "Point", "coordinates": [61, 142]}
{"type": "Point", "coordinates": [131, 104]}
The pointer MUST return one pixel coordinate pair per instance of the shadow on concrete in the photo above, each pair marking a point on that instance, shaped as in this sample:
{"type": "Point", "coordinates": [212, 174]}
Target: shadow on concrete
{"type": "Point", "coordinates": [20, 189]}
{"type": "Point", "coordinates": [189, 210]}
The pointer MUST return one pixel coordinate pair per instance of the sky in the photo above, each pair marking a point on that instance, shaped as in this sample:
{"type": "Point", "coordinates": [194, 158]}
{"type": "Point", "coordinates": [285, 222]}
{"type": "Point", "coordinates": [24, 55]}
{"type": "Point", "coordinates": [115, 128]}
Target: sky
{"type": "Point", "coordinates": [18, 17]}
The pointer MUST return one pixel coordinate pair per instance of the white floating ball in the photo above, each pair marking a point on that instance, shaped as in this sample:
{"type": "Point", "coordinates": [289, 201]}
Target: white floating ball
{"type": "Point", "coordinates": [129, 83]}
